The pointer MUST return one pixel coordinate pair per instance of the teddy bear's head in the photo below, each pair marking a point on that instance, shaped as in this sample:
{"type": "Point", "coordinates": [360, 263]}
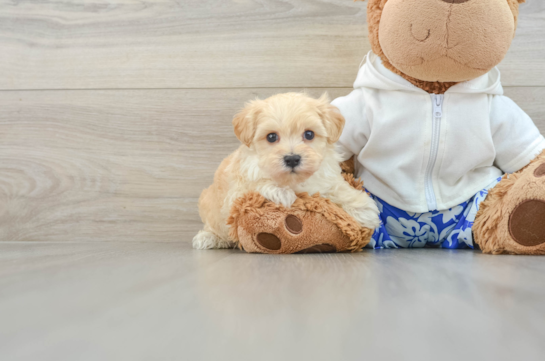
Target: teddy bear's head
{"type": "Point", "coordinates": [437, 43]}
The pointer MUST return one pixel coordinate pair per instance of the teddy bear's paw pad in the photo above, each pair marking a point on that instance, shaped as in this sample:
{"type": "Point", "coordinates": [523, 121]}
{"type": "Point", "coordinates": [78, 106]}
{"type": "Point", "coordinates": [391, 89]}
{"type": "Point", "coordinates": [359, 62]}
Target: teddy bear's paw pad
{"type": "Point", "coordinates": [526, 222]}
{"type": "Point", "coordinates": [293, 224]}
{"type": "Point", "coordinates": [320, 248]}
{"type": "Point", "coordinates": [269, 241]}
{"type": "Point", "coordinates": [540, 171]}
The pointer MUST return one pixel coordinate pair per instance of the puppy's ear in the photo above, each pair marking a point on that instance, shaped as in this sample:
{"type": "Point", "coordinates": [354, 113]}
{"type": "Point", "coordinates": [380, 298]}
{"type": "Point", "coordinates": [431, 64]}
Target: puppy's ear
{"type": "Point", "coordinates": [244, 122]}
{"type": "Point", "coordinates": [332, 118]}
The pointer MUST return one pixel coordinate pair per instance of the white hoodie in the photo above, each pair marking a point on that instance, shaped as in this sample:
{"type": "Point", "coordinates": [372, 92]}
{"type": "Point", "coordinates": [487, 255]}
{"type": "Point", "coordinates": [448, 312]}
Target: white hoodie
{"type": "Point", "coordinates": [421, 152]}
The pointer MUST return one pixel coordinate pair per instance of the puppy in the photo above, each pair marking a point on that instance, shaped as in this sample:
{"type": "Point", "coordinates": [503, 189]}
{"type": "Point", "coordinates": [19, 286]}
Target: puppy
{"type": "Point", "coordinates": [287, 148]}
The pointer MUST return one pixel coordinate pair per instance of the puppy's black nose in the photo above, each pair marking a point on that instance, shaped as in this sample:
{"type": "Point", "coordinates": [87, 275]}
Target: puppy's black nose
{"type": "Point", "coordinates": [292, 161]}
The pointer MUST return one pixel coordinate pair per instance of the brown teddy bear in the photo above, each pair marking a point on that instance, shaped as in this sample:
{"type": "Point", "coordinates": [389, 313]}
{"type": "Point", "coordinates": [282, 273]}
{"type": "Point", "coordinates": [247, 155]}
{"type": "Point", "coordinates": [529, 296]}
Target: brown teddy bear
{"type": "Point", "coordinates": [450, 161]}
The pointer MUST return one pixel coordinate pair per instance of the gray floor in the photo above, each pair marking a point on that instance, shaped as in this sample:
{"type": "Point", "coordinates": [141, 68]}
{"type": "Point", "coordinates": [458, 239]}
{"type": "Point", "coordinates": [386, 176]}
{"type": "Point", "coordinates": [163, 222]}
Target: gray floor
{"type": "Point", "coordinates": [165, 301]}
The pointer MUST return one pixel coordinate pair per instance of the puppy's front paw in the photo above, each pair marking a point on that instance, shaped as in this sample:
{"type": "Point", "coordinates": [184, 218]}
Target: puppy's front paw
{"type": "Point", "coordinates": [367, 215]}
{"type": "Point", "coordinates": [283, 196]}
{"type": "Point", "coordinates": [208, 240]}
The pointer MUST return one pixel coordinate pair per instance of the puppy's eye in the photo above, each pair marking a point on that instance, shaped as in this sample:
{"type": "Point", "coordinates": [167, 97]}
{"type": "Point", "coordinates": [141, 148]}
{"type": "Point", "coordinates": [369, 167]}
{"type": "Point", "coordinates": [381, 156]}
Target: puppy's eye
{"type": "Point", "coordinates": [309, 135]}
{"type": "Point", "coordinates": [272, 137]}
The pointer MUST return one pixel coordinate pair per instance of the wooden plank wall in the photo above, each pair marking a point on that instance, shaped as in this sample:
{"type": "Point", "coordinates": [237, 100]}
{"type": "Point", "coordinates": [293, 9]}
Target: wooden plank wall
{"type": "Point", "coordinates": [114, 114]}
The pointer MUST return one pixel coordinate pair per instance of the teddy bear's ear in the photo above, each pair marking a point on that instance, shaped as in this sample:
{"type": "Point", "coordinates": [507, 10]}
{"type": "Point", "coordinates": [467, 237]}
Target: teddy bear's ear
{"type": "Point", "coordinates": [332, 118]}
{"type": "Point", "coordinates": [244, 123]}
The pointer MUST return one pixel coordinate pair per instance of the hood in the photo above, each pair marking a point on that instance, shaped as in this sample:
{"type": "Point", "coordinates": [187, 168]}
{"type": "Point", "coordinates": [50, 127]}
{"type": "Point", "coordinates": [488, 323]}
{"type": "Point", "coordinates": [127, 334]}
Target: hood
{"type": "Point", "coordinates": [374, 75]}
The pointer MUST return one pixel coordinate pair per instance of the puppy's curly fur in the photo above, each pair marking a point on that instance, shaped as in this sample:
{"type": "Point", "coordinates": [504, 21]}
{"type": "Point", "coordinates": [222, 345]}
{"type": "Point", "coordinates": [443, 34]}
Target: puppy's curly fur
{"type": "Point", "coordinates": [260, 164]}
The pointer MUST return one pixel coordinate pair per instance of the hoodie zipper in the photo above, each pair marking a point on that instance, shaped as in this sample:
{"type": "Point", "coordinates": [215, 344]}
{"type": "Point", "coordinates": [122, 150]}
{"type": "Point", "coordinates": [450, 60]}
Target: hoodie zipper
{"type": "Point", "coordinates": [437, 100]}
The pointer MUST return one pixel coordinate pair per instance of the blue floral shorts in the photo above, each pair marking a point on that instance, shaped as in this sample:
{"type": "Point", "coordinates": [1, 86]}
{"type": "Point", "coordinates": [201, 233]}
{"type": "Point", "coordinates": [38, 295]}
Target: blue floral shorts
{"type": "Point", "coordinates": [450, 228]}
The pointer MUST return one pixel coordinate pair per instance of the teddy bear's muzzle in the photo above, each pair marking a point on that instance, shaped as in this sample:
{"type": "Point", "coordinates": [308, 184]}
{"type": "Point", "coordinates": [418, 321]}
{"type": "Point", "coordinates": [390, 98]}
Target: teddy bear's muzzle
{"type": "Point", "coordinates": [456, 1]}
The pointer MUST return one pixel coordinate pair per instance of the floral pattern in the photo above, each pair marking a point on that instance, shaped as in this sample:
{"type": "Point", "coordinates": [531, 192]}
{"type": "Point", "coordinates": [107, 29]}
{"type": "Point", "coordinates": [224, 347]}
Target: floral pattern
{"type": "Point", "coordinates": [449, 228]}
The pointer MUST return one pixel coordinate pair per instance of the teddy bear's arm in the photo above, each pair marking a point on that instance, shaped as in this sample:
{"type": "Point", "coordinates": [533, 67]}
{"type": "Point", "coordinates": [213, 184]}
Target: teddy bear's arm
{"type": "Point", "coordinates": [517, 140]}
{"type": "Point", "coordinates": [356, 128]}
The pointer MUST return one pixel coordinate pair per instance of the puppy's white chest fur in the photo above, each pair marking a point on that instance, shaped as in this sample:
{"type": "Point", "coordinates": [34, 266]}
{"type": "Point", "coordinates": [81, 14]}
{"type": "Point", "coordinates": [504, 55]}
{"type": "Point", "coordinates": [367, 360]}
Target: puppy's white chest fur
{"type": "Point", "coordinates": [323, 181]}
{"type": "Point", "coordinates": [326, 180]}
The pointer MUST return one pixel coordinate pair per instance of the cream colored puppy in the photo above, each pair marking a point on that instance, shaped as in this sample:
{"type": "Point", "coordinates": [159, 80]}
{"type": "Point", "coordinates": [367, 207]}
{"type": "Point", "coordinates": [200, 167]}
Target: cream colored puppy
{"type": "Point", "coordinates": [288, 147]}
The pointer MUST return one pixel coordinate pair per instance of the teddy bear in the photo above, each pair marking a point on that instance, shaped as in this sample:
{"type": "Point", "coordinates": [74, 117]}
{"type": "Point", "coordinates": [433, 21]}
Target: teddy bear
{"type": "Point", "coordinates": [450, 161]}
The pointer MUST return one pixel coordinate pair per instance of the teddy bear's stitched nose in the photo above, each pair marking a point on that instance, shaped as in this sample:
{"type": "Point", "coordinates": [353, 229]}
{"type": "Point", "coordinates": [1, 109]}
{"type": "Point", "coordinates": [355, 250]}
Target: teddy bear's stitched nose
{"type": "Point", "coordinates": [455, 1]}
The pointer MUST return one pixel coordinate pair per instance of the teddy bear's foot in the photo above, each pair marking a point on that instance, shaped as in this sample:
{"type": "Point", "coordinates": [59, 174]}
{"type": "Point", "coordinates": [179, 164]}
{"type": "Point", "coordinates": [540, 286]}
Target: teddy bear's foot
{"type": "Point", "coordinates": [296, 232]}
{"type": "Point", "coordinates": [271, 242]}
{"type": "Point", "coordinates": [526, 224]}
{"type": "Point", "coordinates": [311, 225]}
{"type": "Point", "coordinates": [512, 218]}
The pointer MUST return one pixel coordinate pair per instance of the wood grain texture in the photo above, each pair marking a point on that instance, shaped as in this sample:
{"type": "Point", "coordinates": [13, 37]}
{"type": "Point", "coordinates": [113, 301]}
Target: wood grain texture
{"type": "Point", "coordinates": [208, 44]}
{"type": "Point", "coordinates": [164, 301]}
{"type": "Point", "coordinates": [124, 165]}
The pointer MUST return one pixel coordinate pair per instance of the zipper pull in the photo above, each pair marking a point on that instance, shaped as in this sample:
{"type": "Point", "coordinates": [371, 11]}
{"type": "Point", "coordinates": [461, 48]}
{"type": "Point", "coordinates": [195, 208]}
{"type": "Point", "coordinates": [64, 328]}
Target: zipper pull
{"type": "Point", "coordinates": [438, 105]}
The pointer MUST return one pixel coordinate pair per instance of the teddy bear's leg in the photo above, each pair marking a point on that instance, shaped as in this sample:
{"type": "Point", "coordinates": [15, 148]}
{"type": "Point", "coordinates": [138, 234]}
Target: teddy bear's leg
{"type": "Point", "coordinates": [512, 217]}
{"type": "Point", "coordinates": [281, 232]}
